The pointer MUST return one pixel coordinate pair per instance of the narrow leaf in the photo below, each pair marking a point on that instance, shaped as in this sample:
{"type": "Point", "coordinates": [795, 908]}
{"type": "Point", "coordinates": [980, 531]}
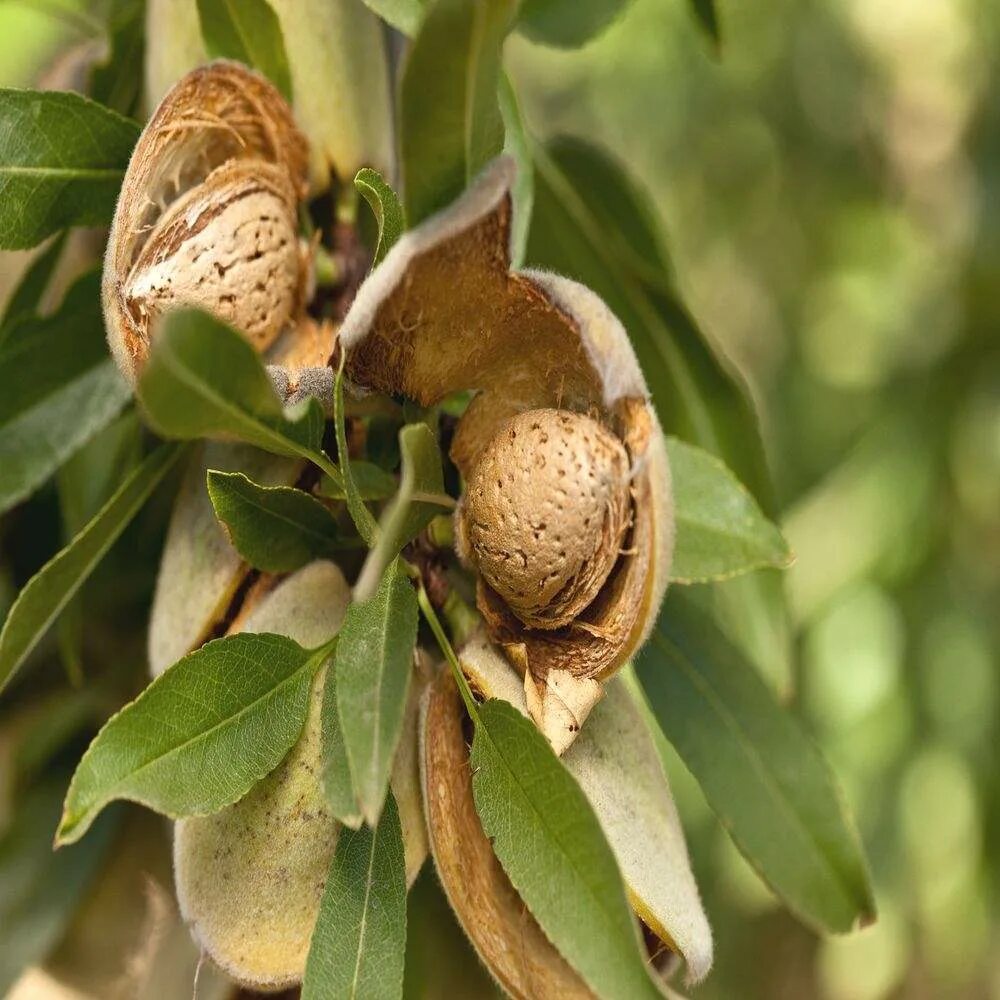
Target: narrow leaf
{"type": "Point", "coordinates": [721, 531]}
{"type": "Point", "coordinates": [39, 891]}
{"type": "Point", "coordinates": [54, 585]}
{"type": "Point", "coordinates": [385, 205]}
{"type": "Point", "coordinates": [117, 81]}
{"type": "Point", "coordinates": [57, 388]}
{"type": "Point", "coordinates": [567, 23]}
{"type": "Point", "coordinates": [371, 482]}
{"type": "Point", "coordinates": [26, 297]}
{"type": "Point", "coordinates": [274, 528]}
{"type": "Point", "coordinates": [62, 159]}
{"type": "Point", "coordinates": [201, 735]}
{"type": "Point", "coordinates": [551, 846]}
{"type": "Point", "coordinates": [373, 665]}
{"type": "Point", "coordinates": [360, 514]}
{"type": "Point", "coordinates": [338, 784]}
{"type": "Point", "coordinates": [248, 31]}
{"type": "Point", "coordinates": [518, 146]}
{"type": "Point", "coordinates": [204, 380]}
{"type": "Point", "coordinates": [449, 115]}
{"type": "Point", "coordinates": [764, 777]}
{"type": "Point", "coordinates": [359, 944]}
{"type": "Point", "coordinates": [419, 500]}
{"type": "Point", "coordinates": [403, 15]}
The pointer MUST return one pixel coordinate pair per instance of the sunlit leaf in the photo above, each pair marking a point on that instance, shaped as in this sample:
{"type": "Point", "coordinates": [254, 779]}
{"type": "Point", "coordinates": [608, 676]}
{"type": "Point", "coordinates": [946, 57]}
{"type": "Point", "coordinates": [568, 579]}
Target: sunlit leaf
{"type": "Point", "coordinates": [760, 772]}
{"type": "Point", "coordinates": [359, 943]}
{"type": "Point", "coordinates": [721, 531]}
{"type": "Point", "coordinates": [57, 388]}
{"type": "Point", "coordinates": [517, 145]}
{"type": "Point", "coordinates": [373, 664]}
{"type": "Point", "coordinates": [62, 160]}
{"type": "Point", "coordinates": [449, 115]}
{"type": "Point", "coordinates": [274, 528]}
{"type": "Point", "coordinates": [403, 15]}
{"type": "Point", "coordinates": [202, 734]}
{"type": "Point", "coordinates": [551, 846]}
{"type": "Point", "coordinates": [53, 586]}
{"type": "Point", "coordinates": [386, 207]}
{"type": "Point", "coordinates": [250, 32]}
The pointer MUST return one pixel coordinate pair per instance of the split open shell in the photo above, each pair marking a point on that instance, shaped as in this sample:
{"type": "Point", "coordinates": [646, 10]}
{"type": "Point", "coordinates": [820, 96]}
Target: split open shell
{"type": "Point", "coordinates": [250, 878]}
{"type": "Point", "coordinates": [444, 313]}
{"type": "Point", "coordinates": [207, 216]}
{"type": "Point", "coordinates": [615, 762]}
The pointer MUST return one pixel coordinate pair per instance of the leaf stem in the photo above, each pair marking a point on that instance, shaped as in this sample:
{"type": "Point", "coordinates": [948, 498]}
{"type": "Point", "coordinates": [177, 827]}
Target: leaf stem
{"type": "Point", "coordinates": [445, 646]}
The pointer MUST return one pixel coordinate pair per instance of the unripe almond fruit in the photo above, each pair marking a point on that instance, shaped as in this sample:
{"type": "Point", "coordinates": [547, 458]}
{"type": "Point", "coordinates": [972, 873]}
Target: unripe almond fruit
{"type": "Point", "coordinates": [545, 513]}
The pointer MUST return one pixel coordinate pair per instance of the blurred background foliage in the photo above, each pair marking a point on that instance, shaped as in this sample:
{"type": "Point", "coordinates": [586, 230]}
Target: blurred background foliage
{"type": "Point", "coordinates": [830, 186]}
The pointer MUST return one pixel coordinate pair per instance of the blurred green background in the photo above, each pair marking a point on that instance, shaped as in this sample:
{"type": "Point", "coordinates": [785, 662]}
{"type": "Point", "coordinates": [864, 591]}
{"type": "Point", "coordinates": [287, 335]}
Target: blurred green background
{"type": "Point", "coordinates": [830, 186]}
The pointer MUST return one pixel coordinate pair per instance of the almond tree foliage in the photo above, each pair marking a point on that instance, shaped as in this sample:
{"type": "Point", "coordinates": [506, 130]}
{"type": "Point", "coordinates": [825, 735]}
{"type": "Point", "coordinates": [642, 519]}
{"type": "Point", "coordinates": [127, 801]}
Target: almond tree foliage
{"type": "Point", "coordinates": [292, 705]}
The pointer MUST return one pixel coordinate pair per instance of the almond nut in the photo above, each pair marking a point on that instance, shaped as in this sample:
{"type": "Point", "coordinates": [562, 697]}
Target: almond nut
{"type": "Point", "coordinates": [545, 513]}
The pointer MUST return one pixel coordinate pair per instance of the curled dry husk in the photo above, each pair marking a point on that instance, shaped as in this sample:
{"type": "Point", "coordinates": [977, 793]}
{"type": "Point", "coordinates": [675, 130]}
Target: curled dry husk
{"type": "Point", "coordinates": [208, 216]}
{"type": "Point", "coordinates": [444, 313]}
{"type": "Point", "coordinates": [249, 879]}
{"type": "Point", "coordinates": [616, 765]}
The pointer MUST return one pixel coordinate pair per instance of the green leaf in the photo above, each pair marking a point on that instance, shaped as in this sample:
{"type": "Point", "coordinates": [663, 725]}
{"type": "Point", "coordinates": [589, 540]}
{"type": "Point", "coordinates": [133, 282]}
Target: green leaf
{"type": "Point", "coordinates": [373, 665]}
{"type": "Point", "coordinates": [403, 15]}
{"type": "Point", "coordinates": [360, 514]}
{"type": "Point", "coordinates": [57, 388]}
{"type": "Point", "coordinates": [338, 783]}
{"type": "Point", "coordinates": [418, 501]}
{"type": "Point", "coordinates": [580, 192]}
{"type": "Point", "coordinates": [518, 146]}
{"type": "Point", "coordinates": [204, 380]}
{"type": "Point", "coordinates": [721, 531]}
{"type": "Point", "coordinates": [40, 891]}
{"type": "Point", "coordinates": [54, 585]}
{"type": "Point", "coordinates": [85, 483]}
{"type": "Point", "coordinates": [62, 160]}
{"type": "Point", "coordinates": [567, 23]}
{"type": "Point", "coordinates": [248, 31]}
{"type": "Point", "coordinates": [117, 81]}
{"type": "Point", "coordinates": [764, 777]}
{"type": "Point", "coordinates": [359, 944]}
{"type": "Point", "coordinates": [449, 115]}
{"type": "Point", "coordinates": [371, 482]}
{"type": "Point", "coordinates": [385, 205]}
{"type": "Point", "coordinates": [274, 528]}
{"type": "Point", "coordinates": [201, 735]}
{"type": "Point", "coordinates": [27, 295]}
{"type": "Point", "coordinates": [551, 846]}
{"type": "Point", "coordinates": [708, 17]}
